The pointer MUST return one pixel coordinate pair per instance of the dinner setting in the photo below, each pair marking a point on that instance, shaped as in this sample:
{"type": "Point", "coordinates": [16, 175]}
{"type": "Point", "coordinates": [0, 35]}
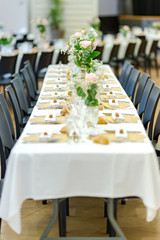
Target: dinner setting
{"type": "Point", "coordinates": [80, 120]}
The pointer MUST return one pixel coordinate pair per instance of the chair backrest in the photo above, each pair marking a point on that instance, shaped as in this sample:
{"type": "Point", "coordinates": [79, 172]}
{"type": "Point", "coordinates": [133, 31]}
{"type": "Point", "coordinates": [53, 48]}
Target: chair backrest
{"type": "Point", "coordinates": [124, 68]}
{"type": "Point", "coordinates": [153, 48]}
{"type": "Point", "coordinates": [145, 96]}
{"type": "Point", "coordinates": [28, 56]}
{"type": "Point", "coordinates": [20, 96]}
{"type": "Point", "coordinates": [130, 50]}
{"type": "Point", "coordinates": [142, 48]}
{"type": "Point", "coordinates": [100, 49]}
{"type": "Point", "coordinates": [16, 110]}
{"type": "Point", "coordinates": [141, 86]}
{"type": "Point", "coordinates": [45, 60]}
{"type": "Point", "coordinates": [62, 57]}
{"type": "Point", "coordinates": [151, 106]}
{"type": "Point", "coordinates": [114, 52]}
{"type": "Point", "coordinates": [5, 132]}
{"type": "Point", "coordinates": [156, 129]}
{"type": "Point", "coordinates": [29, 85]}
{"type": "Point", "coordinates": [8, 64]}
{"type": "Point", "coordinates": [131, 84]}
{"type": "Point", "coordinates": [31, 73]}
{"type": "Point", "coordinates": [3, 161]}
{"type": "Point", "coordinates": [7, 112]}
{"type": "Point", "coordinates": [17, 75]}
{"type": "Point", "coordinates": [126, 75]}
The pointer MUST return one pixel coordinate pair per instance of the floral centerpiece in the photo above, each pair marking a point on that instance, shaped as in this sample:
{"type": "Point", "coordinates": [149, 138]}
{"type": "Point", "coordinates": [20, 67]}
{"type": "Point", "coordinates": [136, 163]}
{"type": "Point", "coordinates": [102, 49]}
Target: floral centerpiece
{"type": "Point", "coordinates": [81, 49]}
{"type": "Point", "coordinates": [5, 38]}
{"type": "Point", "coordinates": [41, 25]}
{"type": "Point", "coordinates": [96, 23]}
{"type": "Point", "coordinates": [125, 29]}
{"type": "Point", "coordinates": [156, 25]}
{"type": "Point", "coordinates": [90, 95]}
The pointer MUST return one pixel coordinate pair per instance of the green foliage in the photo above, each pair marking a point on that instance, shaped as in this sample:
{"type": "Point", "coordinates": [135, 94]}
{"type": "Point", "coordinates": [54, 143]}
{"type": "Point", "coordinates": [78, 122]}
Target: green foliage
{"type": "Point", "coordinates": [80, 92]}
{"type": "Point", "coordinates": [41, 28]}
{"type": "Point", "coordinates": [91, 96]}
{"type": "Point", "coordinates": [55, 13]}
{"type": "Point", "coordinates": [5, 40]}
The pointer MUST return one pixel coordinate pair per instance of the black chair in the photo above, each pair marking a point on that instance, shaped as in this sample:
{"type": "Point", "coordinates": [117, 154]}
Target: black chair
{"type": "Point", "coordinates": [129, 55]}
{"type": "Point", "coordinates": [8, 115]}
{"type": "Point", "coordinates": [21, 84]}
{"type": "Point", "coordinates": [31, 96]}
{"type": "Point", "coordinates": [152, 56]}
{"type": "Point", "coordinates": [32, 77]}
{"type": "Point", "coordinates": [155, 137]}
{"type": "Point", "coordinates": [141, 86]}
{"type": "Point", "coordinates": [45, 60]}
{"type": "Point", "coordinates": [145, 96]}
{"type": "Point", "coordinates": [131, 84]}
{"type": "Point", "coordinates": [113, 58]}
{"type": "Point", "coordinates": [28, 56]}
{"type": "Point", "coordinates": [150, 109]}
{"type": "Point", "coordinates": [7, 68]}
{"type": "Point", "coordinates": [62, 58]}
{"type": "Point", "coordinates": [141, 55]}
{"type": "Point", "coordinates": [100, 49]}
{"type": "Point", "coordinates": [16, 111]}
{"type": "Point", "coordinates": [21, 100]}
{"type": "Point", "coordinates": [6, 144]}
{"type": "Point", "coordinates": [124, 68]}
{"type": "Point", "coordinates": [126, 76]}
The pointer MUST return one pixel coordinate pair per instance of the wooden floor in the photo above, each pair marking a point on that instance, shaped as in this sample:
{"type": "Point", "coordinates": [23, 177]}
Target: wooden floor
{"type": "Point", "coordinates": [86, 217]}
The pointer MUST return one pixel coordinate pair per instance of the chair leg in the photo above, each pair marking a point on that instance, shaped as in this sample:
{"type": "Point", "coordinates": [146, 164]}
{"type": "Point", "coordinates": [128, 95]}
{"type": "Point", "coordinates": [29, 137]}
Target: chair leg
{"type": "Point", "coordinates": [67, 207]}
{"type": "Point", "coordinates": [0, 224]}
{"type": "Point", "coordinates": [62, 218]}
{"type": "Point", "coordinates": [110, 229]}
{"type": "Point", "coordinates": [156, 65]}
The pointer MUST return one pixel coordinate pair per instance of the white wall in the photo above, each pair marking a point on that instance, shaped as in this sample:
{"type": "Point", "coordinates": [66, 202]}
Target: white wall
{"type": "Point", "coordinates": [108, 7]}
{"type": "Point", "coordinates": [14, 14]}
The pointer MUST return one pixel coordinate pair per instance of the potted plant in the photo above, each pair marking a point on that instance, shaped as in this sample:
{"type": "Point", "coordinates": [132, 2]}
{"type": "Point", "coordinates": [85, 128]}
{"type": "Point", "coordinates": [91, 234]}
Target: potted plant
{"type": "Point", "coordinates": [55, 18]}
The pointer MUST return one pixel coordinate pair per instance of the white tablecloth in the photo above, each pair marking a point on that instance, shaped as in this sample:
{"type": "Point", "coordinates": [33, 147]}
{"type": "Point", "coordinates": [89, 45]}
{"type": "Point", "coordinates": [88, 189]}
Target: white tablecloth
{"type": "Point", "coordinates": [57, 170]}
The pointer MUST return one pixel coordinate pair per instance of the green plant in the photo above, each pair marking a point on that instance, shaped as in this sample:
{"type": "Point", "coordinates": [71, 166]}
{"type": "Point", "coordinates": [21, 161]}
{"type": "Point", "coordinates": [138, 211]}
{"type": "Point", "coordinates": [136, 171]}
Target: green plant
{"type": "Point", "coordinates": [55, 14]}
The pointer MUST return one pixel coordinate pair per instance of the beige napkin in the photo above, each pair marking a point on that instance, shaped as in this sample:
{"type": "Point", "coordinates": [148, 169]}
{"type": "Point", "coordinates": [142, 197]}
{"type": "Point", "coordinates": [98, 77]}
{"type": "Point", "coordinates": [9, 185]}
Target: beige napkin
{"type": "Point", "coordinates": [113, 89]}
{"type": "Point", "coordinates": [111, 82]}
{"type": "Point", "coordinates": [48, 105]}
{"type": "Point", "coordinates": [120, 96]}
{"type": "Point", "coordinates": [121, 105]}
{"type": "Point", "coordinates": [127, 119]}
{"type": "Point", "coordinates": [41, 120]}
{"type": "Point", "coordinates": [51, 97]}
{"type": "Point", "coordinates": [53, 89]}
{"type": "Point", "coordinates": [132, 137]}
{"type": "Point", "coordinates": [35, 138]}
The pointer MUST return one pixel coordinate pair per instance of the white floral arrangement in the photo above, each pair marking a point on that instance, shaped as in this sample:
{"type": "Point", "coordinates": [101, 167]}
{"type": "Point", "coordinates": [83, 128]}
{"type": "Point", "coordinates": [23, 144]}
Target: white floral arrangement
{"type": "Point", "coordinates": [156, 25]}
{"type": "Point", "coordinates": [5, 38]}
{"type": "Point", "coordinates": [81, 49]}
{"type": "Point", "coordinates": [125, 29]}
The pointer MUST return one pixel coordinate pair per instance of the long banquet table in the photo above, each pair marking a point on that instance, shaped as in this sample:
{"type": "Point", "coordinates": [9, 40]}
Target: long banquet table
{"type": "Point", "coordinates": [55, 170]}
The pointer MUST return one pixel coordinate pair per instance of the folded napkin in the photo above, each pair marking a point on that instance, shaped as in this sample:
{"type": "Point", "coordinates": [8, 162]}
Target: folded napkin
{"type": "Point", "coordinates": [120, 105]}
{"type": "Point", "coordinates": [112, 96]}
{"type": "Point", "coordinates": [37, 138]}
{"type": "Point", "coordinates": [111, 137]}
{"type": "Point", "coordinates": [127, 119]}
{"type": "Point", "coordinates": [111, 88]}
{"type": "Point", "coordinates": [53, 96]}
{"type": "Point", "coordinates": [49, 105]}
{"type": "Point", "coordinates": [42, 120]}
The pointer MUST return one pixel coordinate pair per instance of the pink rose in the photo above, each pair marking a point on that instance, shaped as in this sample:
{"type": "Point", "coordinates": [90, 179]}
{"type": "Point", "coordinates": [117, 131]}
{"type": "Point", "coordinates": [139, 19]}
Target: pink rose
{"type": "Point", "coordinates": [82, 31]}
{"type": "Point", "coordinates": [91, 78]}
{"type": "Point", "coordinates": [78, 34]}
{"type": "Point", "coordinates": [94, 45]}
{"type": "Point", "coordinates": [85, 44]}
